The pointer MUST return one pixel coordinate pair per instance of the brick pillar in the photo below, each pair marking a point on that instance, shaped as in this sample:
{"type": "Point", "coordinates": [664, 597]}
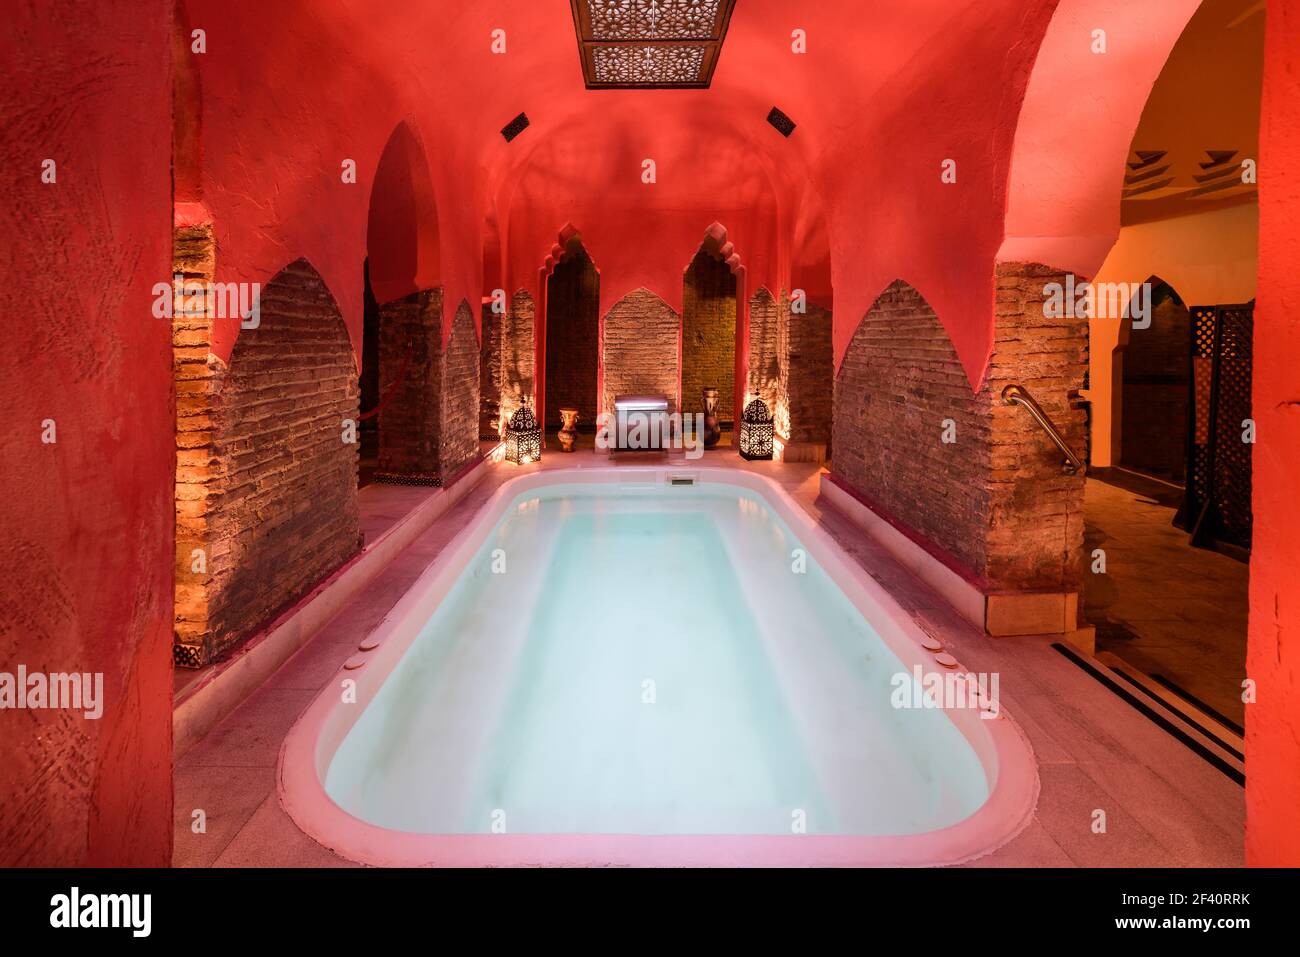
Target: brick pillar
{"type": "Point", "coordinates": [410, 340]}
{"type": "Point", "coordinates": [811, 366]}
{"type": "Point", "coordinates": [458, 400]}
{"type": "Point", "coordinates": [519, 358]}
{"type": "Point", "coordinates": [1035, 536]}
{"type": "Point", "coordinates": [507, 360]}
{"type": "Point", "coordinates": [769, 323]}
{"type": "Point", "coordinates": [197, 375]}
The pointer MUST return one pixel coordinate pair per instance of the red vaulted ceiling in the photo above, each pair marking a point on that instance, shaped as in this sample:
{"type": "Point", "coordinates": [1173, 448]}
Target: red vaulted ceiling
{"type": "Point", "coordinates": [885, 93]}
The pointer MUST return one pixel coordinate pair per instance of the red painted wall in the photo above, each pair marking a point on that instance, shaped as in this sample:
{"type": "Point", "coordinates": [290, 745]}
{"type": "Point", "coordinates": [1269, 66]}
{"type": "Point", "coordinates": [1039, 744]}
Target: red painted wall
{"type": "Point", "coordinates": [891, 215]}
{"type": "Point", "coordinates": [86, 566]}
{"type": "Point", "coordinates": [293, 89]}
{"type": "Point", "coordinates": [1273, 651]}
{"type": "Point", "coordinates": [290, 90]}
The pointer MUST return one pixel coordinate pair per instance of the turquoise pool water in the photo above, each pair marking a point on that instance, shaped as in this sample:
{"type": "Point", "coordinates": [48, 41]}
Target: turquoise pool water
{"type": "Point", "coordinates": [630, 660]}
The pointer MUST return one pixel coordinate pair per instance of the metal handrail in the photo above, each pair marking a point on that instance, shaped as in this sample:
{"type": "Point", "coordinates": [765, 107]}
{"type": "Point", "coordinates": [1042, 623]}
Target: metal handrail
{"type": "Point", "coordinates": [1019, 395]}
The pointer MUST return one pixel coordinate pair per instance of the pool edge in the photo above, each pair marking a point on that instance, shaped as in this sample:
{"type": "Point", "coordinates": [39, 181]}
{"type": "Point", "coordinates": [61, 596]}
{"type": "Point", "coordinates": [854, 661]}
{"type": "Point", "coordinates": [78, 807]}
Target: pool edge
{"type": "Point", "coordinates": [317, 733]}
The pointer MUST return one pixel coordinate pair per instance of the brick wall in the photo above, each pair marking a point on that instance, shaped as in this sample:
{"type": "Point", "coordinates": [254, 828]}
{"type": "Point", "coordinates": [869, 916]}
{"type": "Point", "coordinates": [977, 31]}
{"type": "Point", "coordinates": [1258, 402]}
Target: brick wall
{"type": "Point", "coordinates": [995, 501]}
{"type": "Point", "coordinates": [281, 482]}
{"type": "Point", "coordinates": [769, 355]}
{"type": "Point", "coordinates": [507, 360]}
{"type": "Point", "coordinates": [458, 428]}
{"type": "Point", "coordinates": [709, 334]}
{"type": "Point", "coordinates": [572, 338]}
{"type": "Point", "coordinates": [640, 348]}
{"type": "Point", "coordinates": [899, 381]}
{"type": "Point", "coordinates": [811, 371]}
{"type": "Point", "coordinates": [410, 340]}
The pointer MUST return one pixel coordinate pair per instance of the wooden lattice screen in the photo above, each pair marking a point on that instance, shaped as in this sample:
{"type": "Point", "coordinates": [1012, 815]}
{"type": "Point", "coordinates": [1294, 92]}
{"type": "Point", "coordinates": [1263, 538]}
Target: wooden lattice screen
{"type": "Point", "coordinates": [1216, 507]}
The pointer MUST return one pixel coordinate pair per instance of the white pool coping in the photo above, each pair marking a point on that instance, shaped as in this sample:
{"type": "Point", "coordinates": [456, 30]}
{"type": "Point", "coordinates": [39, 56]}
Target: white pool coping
{"type": "Point", "coordinates": [1002, 748]}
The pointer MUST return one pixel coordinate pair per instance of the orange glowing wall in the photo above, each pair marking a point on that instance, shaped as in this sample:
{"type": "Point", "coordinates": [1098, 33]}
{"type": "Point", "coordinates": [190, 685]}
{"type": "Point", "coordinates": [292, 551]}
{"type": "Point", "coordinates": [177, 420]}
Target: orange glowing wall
{"type": "Point", "coordinates": [1273, 652]}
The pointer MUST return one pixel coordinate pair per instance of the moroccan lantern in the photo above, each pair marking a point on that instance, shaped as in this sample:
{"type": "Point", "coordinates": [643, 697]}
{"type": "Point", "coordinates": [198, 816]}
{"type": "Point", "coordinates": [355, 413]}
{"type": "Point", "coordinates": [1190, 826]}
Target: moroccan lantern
{"type": "Point", "coordinates": [523, 437]}
{"type": "Point", "coordinates": [756, 431]}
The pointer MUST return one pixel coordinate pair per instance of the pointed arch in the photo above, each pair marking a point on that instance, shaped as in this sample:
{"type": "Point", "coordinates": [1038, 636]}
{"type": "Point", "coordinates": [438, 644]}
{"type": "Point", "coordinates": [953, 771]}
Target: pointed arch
{"type": "Point", "coordinates": [402, 326]}
{"type": "Point", "coordinates": [569, 333]}
{"type": "Point", "coordinates": [402, 229]}
{"type": "Point", "coordinates": [1151, 384]}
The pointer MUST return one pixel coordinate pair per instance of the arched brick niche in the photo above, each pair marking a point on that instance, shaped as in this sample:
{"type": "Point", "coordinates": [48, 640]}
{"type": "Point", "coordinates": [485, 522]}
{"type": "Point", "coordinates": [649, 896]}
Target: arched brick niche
{"type": "Point", "coordinates": [279, 503]}
{"type": "Point", "coordinates": [995, 503]}
{"type": "Point", "coordinates": [709, 331]}
{"type": "Point", "coordinates": [640, 340]}
{"type": "Point", "coordinates": [899, 381]}
{"type": "Point", "coordinates": [459, 396]}
{"type": "Point", "coordinates": [769, 355]}
{"type": "Point", "coordinates": [507, 361]}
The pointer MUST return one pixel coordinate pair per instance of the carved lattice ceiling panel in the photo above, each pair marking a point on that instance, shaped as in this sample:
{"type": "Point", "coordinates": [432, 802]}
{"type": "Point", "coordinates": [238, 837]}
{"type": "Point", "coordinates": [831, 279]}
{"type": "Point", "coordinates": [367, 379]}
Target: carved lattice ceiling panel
{"type": "Point", "coordinates": [654, 44]}
{"type": "Point", "coordinates": [661, 65]}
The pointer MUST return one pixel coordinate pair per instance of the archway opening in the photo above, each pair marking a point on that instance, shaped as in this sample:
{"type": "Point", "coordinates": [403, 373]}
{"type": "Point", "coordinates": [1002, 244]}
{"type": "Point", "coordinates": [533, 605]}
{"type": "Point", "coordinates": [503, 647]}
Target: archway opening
{"type": "Point", "coordinates": [1156, 384]}
{"type": "Point", "coordinates": [572, 338]}
{"type": "Point", "coordinates": [1170, 377]}
{"type": "Point", "coordinates": [709, 332]}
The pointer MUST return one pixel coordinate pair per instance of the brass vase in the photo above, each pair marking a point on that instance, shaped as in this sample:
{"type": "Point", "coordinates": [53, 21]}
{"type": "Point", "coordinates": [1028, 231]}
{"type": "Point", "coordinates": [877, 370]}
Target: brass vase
{"type": "Point", "coordinates": [568, 429]}
{"type": "Point", "coordinates": [712, 427]}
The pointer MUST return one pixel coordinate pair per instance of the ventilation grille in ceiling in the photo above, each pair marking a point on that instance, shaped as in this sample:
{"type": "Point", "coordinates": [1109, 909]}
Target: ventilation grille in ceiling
{"type": "Point", "coordinates": [515, 127]}
{"type": "Point", "coordinates": [783, 123]}
{"type": "Point", "coordinates": [650, 44]}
